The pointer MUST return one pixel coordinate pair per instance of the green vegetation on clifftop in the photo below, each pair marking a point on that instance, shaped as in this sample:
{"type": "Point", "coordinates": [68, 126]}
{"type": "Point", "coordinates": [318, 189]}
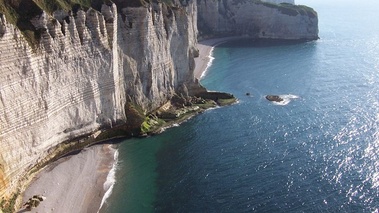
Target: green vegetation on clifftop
{"type": "Point", "coordinates": [290, 9]}
{"type": "Point", "coordinates": [285, 8]}
{"type": "Point", "coordinates": [20, 12]}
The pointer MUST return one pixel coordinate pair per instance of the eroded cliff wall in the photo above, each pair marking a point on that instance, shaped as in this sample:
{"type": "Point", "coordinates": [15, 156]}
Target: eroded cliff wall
{"type": "Point", "coordinates": [84, 69]}
{"type": "Point", "coordinates": [54, 93]}
{"type": "Point", "coordinates": [256, 19]}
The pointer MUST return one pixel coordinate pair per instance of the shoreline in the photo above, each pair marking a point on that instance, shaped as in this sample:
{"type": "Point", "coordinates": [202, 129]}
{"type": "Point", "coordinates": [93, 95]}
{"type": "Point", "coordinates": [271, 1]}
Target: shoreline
{"type": "Point", "coordinates": [75, 183]}
{"type": "Point", "coordinates": [83, 182]}
{"type": "Point", "coordinates": [205, 47]}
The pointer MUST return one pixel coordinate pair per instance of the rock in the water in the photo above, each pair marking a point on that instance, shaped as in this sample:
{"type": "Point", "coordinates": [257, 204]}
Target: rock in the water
{"type": "Point", "coordinates": [275, 98]}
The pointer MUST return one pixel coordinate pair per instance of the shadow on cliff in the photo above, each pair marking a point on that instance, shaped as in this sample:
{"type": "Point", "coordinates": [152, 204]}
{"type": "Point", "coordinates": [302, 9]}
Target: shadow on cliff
{"type": "Point", "coordinates": [110, 141]}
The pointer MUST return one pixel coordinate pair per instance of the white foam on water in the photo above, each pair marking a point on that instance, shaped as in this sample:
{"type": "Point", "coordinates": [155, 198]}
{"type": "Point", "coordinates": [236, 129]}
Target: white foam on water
{"type": "Point", "coordinates": [111, 180]}
{"type": "Point", "coordinates": [286, 99]}
{"type": "Point", "coordinates": [171, 126]}
{"type": "Point", "coordinates": [209, 64]}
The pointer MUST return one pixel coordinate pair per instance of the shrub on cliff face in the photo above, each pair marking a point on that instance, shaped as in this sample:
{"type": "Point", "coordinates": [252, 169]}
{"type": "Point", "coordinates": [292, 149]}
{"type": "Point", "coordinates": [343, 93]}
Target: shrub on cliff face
{"type": "Point", "coordinates": [9, 207]}
{"type": "Point", "coordinates": [19, 13]}
{"type": "Point", "coordinates": [135, 117]}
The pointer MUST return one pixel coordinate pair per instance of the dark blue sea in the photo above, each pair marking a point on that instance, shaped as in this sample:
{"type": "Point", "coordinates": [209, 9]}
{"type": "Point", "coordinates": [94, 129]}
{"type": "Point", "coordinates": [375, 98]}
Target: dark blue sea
{"type": "Point", "coordinates": [316, 152]}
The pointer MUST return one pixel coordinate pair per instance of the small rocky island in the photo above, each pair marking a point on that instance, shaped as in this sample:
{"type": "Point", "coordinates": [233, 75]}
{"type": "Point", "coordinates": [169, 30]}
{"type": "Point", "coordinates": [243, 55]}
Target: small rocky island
{"type": "Point", "coordinates": [275, 98]}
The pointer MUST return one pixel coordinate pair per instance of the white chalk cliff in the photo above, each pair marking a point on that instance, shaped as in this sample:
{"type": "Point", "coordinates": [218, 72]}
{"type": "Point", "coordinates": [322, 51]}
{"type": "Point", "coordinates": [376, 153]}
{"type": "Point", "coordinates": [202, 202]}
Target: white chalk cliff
{"type": "Point", "coordinates": [78, 80]}
{"type": "Point", "coordinates": [256, 19]}
{"type": "Point", "coordinates": [87, 65]}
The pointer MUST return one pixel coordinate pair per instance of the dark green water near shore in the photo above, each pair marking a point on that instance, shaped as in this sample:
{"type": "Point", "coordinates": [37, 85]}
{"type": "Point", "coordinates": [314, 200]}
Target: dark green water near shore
{"type": "Point", "coordinates": [315, 152]}
{"type": "Point", "coordinates": [137, 163]}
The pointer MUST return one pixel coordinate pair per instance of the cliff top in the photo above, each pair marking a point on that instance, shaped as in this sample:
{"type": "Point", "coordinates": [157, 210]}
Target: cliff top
{"type": "Point", "coordinates": [290, 9]}
{"type": "Point", "coordinates": [20, 12]}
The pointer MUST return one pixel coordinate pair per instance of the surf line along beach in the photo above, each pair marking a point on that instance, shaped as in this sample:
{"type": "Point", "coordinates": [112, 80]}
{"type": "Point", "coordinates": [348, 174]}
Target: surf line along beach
{"type": "Point", "coordinates": [75, 183]}
{"type": "Point", "coordinates": [205, 47]}
{"type": "Point", "coordinates": [78, 182]}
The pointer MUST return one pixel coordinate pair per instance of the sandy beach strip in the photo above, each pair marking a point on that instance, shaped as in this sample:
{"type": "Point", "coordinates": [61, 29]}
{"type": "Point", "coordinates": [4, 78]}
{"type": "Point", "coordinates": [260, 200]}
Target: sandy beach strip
{"type": "Point", "coordinates": [205, 48]}
{"type": "Point", "coordinates": [74, 183]}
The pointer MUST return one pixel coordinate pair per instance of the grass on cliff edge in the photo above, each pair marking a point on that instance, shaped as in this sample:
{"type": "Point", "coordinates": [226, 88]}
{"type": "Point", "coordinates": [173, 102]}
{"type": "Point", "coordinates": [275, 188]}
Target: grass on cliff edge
{"type": "Point", "coordinates": [20, 12]}
{"type": "Point", "coordinates": [290, 9]}
{"type": "Point", "coordinates": [293, 10]}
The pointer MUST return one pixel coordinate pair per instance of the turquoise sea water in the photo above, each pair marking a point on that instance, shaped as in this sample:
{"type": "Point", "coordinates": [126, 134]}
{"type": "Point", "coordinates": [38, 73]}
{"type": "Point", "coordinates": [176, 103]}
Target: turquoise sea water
{"type": "Point", "coordinates": [318, 152]}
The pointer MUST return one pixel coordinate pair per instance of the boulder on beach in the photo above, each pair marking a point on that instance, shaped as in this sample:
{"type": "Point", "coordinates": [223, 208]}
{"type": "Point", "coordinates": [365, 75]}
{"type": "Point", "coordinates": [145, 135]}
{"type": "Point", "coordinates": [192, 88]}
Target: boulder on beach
{"type": "Point", "coordinates": [275, 98]}
{"type": "Point", "coordinates": [34, 202]}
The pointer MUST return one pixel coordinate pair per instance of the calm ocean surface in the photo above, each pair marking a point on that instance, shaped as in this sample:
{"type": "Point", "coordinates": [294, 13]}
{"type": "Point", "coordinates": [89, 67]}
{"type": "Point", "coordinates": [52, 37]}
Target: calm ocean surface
{"type": "Point", "coordinates": [317, 153]}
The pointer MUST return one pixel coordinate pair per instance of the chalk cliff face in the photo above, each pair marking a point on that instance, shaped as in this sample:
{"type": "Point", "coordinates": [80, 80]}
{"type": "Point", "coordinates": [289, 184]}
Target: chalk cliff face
{"type": "Point", "coordinates": [86, 67]}
{"type": "Point", "coordinates": [256, 19]}
{"type": "Point", "coordinates": [89, 64]}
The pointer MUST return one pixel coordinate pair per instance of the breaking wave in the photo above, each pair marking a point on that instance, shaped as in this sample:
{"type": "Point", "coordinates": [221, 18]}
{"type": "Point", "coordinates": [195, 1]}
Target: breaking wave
{"type": "Point", "coordinates": [211, 58]}
{"type": "Point", "coordinates": [286, 99]}
{"type": "Point", "coordinates": [111, 180]}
